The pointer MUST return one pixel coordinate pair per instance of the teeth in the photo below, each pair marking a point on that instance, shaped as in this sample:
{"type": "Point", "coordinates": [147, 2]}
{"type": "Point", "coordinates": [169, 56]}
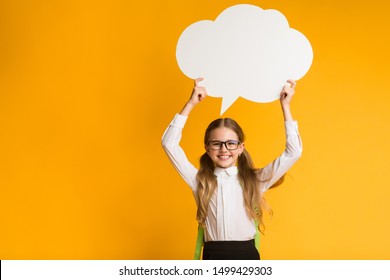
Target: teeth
{"type": "Point", "coordinates": [224, 157]}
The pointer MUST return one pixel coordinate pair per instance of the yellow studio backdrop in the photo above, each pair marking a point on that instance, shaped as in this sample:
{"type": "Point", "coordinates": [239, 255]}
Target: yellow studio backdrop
{"type": "Point", "coordinates": [87, 89]}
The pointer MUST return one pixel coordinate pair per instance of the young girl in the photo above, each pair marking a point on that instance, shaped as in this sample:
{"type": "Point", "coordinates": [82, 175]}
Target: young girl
{"type": "Point", "coordinates": [227, 188]}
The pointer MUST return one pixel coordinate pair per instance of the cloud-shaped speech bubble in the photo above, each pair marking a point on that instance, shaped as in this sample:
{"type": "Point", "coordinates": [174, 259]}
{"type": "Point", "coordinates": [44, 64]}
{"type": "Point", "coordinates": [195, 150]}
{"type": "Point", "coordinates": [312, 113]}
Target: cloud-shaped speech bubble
{"type": "Point", "coordinates": [246, 51]}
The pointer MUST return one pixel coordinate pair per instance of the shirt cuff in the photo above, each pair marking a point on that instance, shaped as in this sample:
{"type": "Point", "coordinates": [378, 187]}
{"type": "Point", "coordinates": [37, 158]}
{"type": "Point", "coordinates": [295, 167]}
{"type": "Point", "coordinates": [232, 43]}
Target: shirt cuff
{"type": "Point", "coordinates": [179, 121]}
{"type": "Point", "coordinates": [291, 127]}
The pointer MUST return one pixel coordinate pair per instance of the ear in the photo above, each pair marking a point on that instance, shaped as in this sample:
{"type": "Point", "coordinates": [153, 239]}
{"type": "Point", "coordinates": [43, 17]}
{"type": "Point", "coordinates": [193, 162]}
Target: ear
{"type": "Point", "coordinates": [242, 147]}
{"type": "Point", "coordinates": [207, 149]}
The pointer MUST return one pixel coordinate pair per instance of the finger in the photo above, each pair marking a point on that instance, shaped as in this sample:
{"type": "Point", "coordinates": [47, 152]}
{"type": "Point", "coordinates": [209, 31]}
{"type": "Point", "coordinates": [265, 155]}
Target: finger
{"type": "Point", "coordinates": [197, 81]}
{"type": "Point", "coordinates": [291, 83]}
{"type": "Point", "coordinates": [203, 92]}
{"type": "Point", "coordinates": [201, 96]}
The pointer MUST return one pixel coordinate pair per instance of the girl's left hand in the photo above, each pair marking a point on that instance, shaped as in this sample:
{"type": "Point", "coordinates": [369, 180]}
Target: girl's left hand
{"type": "Point", "coordinates": [287, 92]}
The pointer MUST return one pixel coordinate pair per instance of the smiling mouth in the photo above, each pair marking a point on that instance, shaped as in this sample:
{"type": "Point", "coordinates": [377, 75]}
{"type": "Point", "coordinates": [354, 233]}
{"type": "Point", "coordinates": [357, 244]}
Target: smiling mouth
{"type": "Point", "coordinates": [224, 157]}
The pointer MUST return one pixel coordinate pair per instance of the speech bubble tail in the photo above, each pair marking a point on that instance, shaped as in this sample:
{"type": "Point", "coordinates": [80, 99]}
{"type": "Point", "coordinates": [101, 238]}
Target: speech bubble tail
{"type": "Point", "coordinates": [227, 101]}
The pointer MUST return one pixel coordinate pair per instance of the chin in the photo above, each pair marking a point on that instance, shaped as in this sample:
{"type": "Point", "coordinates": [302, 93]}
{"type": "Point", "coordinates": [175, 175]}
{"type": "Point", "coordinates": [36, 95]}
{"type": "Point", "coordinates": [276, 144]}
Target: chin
{"type": "Point", "coordinates": [225, 164]}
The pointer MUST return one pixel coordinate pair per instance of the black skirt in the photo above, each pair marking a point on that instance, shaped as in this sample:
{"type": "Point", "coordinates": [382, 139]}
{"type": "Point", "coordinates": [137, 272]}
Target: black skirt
{"type": "Point", "coordinates": [230, 250]}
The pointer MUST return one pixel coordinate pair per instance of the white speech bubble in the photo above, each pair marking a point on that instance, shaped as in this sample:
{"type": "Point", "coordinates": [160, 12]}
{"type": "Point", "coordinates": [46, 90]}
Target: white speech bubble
{"type": "Point", "coordinates": [246, 51]}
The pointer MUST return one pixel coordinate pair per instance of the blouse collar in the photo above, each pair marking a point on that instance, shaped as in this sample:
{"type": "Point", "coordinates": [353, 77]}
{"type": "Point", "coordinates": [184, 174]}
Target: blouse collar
{"type": "Point", "coordinates": [233, 170]}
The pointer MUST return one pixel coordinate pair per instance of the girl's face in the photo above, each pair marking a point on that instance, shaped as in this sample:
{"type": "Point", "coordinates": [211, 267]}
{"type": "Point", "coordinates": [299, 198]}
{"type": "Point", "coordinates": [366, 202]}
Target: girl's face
{"type": "Point", "coordinates": [223, 147]}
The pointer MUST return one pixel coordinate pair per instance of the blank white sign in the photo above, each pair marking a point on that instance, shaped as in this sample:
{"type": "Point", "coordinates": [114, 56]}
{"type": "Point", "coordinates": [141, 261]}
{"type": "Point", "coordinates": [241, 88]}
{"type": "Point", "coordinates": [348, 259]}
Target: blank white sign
{"type": "Point", "coordinates": [246, 51]}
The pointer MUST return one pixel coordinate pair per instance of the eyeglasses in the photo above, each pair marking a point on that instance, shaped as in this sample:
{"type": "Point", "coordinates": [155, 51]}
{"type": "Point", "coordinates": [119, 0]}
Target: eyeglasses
{"type": "Point", "coordinates": [229, 144]}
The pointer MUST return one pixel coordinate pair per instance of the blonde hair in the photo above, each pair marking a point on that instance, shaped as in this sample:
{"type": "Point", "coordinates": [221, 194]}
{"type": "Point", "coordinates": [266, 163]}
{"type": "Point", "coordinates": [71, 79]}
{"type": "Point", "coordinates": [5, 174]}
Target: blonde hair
{"type": "Point", "coordinates": [248, 176]}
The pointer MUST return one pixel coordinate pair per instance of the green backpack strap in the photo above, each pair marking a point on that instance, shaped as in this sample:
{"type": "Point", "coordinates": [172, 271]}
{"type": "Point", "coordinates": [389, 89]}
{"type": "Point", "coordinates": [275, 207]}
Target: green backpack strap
{"type": "Point", "coordinates": [199, 243]}
{"type": "Point", "coordinates": [257, 236]}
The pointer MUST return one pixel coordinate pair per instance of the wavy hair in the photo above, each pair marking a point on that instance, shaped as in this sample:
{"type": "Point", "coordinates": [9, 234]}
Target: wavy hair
{"type": "Point", "coordinates": [248, 176]}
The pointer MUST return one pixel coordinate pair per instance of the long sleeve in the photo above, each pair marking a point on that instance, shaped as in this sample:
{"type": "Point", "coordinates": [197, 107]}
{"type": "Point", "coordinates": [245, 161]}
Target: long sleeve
{"type": "Point", "coordinates": [171, 145]}
{"type": "Point", "coordinates": [293, 150]}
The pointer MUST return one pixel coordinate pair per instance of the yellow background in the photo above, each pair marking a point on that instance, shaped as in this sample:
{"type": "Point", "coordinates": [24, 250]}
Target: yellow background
{"type": "Point", "coordinates": [87, 89]}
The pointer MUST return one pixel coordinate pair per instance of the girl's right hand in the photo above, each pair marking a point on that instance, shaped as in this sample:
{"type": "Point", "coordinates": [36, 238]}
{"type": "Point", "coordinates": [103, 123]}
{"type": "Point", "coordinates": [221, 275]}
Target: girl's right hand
{"type": "Point", "coordinates": [198, 93]}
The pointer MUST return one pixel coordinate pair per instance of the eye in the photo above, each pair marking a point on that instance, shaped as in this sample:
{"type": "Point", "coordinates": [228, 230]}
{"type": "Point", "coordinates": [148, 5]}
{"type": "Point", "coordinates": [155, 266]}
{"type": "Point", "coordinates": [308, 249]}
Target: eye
{"type": "Point", "coordinates": [232, 144]}
{"type": "Point", "coordinates": [215, 144]}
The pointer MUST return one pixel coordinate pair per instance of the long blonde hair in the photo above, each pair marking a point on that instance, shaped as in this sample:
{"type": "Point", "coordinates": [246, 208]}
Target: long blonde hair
{"type": "Point", "coordinates": [248, 176]}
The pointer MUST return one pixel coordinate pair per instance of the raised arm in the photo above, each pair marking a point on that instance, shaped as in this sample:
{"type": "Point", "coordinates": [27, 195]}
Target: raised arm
{"type": "Point", "coordinates": [172, 136]}
{"type": "Point", "coordinates": [293, 150]}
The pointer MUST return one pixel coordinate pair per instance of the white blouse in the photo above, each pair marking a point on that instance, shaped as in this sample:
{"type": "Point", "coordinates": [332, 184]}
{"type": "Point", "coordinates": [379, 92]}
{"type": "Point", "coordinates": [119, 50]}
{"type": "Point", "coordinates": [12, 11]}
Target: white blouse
{"type": "Point", "coordinates": [227, 218]}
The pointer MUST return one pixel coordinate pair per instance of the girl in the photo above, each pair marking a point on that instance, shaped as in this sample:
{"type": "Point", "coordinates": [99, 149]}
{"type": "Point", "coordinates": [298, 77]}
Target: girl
{"type": "Point", "coordinates": [227, 188]}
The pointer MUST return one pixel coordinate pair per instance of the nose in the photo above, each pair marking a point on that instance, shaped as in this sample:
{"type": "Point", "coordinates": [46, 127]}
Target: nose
{"type": "Point", "coordinates": [223, 147]}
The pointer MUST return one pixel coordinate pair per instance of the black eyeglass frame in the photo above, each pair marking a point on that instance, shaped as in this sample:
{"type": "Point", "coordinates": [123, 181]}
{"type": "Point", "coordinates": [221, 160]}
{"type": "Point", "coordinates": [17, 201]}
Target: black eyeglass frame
{"type": "Point", "coordinates": [223, 143]}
